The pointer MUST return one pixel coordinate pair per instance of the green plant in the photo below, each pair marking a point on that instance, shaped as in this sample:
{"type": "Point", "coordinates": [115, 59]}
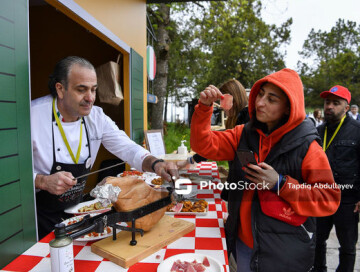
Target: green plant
{"type": "Point", "coordinates": [174, 133]}
{"type": "Point", "coordinates": [223, 164]}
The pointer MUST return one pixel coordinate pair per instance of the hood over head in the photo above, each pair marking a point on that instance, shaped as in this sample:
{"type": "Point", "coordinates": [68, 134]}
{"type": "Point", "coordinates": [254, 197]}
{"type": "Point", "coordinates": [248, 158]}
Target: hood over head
{"type": "Point", "coordinates": [290, 83]}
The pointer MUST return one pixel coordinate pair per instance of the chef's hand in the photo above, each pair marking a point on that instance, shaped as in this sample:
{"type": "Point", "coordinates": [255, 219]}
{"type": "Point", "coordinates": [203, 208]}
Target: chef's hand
{"type": "Point", "coordinates": [166, 170]}
{"type": "Point", "coordinates": [262, 174]}
{"type": "Point", "coordinates": [55, 184]}
{"type": "Point", "coordinates": [210, 95]}
{"type": "Point", "coordinates": [357, 207]}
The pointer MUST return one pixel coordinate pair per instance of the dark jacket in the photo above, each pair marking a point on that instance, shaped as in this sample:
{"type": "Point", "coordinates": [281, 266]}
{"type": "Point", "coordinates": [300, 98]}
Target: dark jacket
{"type": "Point", "coordinates": [291, 246]}
{"type": "Point", "coordinates": [243, 116]}
{"type": "Point", "coordinates": [344, 157]}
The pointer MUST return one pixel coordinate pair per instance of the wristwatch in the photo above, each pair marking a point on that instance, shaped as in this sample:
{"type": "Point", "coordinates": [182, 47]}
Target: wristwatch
{"type": "Point", "coordinates": [279, 183]}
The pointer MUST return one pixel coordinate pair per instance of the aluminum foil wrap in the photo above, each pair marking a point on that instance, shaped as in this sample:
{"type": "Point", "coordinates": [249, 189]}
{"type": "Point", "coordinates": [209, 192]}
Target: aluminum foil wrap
{"type": "Point", "coordinates": [106, 193]}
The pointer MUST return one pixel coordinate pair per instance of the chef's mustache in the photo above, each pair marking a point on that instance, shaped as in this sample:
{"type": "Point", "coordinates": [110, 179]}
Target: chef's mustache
{"type": "Point", "coordinates": [84, 103]}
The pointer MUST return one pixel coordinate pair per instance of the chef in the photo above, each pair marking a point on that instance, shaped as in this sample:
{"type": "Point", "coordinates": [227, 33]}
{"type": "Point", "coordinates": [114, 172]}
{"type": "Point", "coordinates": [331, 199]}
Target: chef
{"type": "Point", "coordinates": [67, 131]}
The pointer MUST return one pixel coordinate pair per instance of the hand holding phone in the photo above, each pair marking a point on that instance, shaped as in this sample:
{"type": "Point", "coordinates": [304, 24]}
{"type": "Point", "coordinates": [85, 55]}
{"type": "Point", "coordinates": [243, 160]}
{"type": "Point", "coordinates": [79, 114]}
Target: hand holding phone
{"type": "Point", "coordinates": [246, 157]}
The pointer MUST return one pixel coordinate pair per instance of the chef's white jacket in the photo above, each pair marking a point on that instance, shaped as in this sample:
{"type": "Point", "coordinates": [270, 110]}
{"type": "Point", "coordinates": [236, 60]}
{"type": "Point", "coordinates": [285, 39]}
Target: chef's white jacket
{"type": "Point", "coordinates": [101, 130]}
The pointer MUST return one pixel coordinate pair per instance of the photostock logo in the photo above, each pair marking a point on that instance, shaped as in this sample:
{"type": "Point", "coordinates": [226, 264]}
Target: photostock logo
{"type": "Point", "coordinates": [185, 189]}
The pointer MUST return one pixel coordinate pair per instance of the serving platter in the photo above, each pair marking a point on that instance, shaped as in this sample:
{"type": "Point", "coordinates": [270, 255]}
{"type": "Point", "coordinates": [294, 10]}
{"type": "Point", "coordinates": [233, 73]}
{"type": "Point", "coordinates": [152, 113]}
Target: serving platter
{"type": "Point", "coordinates": [167, 264]}
{"type": "Point", "coordinates": [179, 212]}
{"type": "Point", "coordinates": [148, 177]}
{"type": "Point", "coordinates": [189, 213]}
{"type": "Point", "coordinates": [75, 209]}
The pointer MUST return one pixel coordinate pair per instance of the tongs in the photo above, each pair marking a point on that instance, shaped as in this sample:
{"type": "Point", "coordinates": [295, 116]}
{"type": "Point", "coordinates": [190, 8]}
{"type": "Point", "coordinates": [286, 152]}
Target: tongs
{"type": "Point", "coordinates": [179, 197]}
{"type": "Point", "coordinates": [111, 218]}
{"type": "Point", "coordinates": [100, 170]}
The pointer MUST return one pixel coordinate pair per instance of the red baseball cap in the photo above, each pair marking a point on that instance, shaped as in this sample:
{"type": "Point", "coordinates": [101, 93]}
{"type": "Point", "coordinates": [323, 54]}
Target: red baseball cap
{"type": "Point", "coordinates": [339, 91]}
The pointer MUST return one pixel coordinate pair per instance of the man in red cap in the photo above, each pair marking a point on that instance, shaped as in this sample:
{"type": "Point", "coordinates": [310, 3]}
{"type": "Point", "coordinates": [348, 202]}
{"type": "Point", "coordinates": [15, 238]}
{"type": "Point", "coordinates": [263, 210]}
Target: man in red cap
{"type": "Point", "coordinates": [340, 135]}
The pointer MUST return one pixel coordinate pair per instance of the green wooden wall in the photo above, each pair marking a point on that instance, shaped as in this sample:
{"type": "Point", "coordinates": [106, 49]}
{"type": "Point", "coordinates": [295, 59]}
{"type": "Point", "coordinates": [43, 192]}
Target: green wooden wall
{"type": "Point", "coordinates": [17, 215]}
{"type": "Point", "coordinates": [137, 98]}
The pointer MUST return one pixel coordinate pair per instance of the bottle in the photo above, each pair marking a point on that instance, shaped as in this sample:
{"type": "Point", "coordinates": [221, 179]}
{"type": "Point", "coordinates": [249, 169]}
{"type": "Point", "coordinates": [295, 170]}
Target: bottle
{"type": "Point", "coordinates": [61, 251]}
{"type": "Point", "coordinates": [182, 148]}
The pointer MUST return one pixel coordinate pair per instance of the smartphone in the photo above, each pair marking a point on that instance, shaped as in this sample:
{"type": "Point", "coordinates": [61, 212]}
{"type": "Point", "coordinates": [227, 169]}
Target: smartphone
{"type": "Point", "coordinates": [246, 157]}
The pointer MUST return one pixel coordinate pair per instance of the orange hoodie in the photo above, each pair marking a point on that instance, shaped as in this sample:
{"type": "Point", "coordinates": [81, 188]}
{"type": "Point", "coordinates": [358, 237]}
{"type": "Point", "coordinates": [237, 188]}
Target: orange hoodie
{"type": "Point", "coordinates": [221, 145]}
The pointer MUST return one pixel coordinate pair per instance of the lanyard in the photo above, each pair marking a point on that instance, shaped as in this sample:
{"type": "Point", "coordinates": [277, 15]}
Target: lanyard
{"type": "Point", "coordinates": [75, 160]}
{"type": "Point", "coordinates": [332, 138]}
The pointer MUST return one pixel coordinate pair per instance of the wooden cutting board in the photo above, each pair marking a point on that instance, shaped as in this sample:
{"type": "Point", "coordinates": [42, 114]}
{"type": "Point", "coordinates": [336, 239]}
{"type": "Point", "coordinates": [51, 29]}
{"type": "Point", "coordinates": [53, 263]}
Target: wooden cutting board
{"type": "Point", "coordinates": [173, 157]}
{"type": "Point", "coordinates": [166, 231]}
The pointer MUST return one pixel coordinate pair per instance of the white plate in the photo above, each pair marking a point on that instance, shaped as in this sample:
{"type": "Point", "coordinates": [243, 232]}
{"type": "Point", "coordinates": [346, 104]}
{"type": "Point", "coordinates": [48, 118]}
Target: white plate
{"type": "Point", "coordinates": [75, 209]}
{"type": "Point", "coordinates": [147, 177]}
{"type": "Point", "coordinates": [166, 265]}
{"type": "Point", "coordinates": [87, 238]}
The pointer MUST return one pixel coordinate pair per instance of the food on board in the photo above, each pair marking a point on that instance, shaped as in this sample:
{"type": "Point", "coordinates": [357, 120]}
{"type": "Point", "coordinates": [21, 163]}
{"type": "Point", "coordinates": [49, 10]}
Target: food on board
{"type": "Point", "coordinates": [188, 206]}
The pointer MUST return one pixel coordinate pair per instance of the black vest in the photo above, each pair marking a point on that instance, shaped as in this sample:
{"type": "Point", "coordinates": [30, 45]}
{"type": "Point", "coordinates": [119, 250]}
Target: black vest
{"type": "Point", "coordinates": [344, 157]}
{"type": "Point", "coordinates": [278, 246]}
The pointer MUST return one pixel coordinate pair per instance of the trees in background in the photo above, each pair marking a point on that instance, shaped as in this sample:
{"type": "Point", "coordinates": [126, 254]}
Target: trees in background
{"type": "Point", "coordinates": [237, 43]}
{"type": "Point", "coordinates": [208, 43]}
{"type": "Point", "coordinates": [334, 59]}
{"type": "Point", "coordinates": [160, 17]}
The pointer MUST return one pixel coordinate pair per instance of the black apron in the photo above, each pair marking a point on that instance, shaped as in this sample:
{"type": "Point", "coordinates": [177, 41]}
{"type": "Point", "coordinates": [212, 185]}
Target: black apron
{"type": "Point", "coordinates": [50, 208]}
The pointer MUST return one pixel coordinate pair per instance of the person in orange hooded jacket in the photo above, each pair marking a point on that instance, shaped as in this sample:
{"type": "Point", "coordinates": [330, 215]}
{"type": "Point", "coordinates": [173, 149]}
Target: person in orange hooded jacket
{"type": "Point", "coordinates": [272, 206]}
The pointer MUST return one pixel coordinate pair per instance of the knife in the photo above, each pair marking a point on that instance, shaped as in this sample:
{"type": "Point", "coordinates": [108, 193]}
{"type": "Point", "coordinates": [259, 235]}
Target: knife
{"type": "Point", "coordinates": [97, 171]}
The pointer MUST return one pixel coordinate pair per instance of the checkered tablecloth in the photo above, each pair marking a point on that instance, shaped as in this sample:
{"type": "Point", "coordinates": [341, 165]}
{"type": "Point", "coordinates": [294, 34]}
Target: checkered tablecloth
{"type": "Point", "coordinates": [208, 238]}
{"type": "Point", "coordinates": [205, 169]}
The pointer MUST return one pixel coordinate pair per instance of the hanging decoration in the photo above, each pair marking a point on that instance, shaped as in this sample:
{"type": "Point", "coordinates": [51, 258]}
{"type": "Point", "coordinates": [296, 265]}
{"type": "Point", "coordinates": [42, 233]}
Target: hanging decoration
{"type": "Point", "coordinates": [151, 62]}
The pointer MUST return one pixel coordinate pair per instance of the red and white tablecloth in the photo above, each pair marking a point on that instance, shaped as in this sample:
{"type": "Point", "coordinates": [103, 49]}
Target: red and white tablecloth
{"type": "Point", "coordinates": [208, 238]}
{"type": "Point", "coordinates": [205, 169]}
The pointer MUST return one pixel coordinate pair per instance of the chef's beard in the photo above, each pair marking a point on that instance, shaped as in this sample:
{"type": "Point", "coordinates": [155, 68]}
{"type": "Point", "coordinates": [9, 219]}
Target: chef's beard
{"type": "Point", "coordinates": [333, 118]}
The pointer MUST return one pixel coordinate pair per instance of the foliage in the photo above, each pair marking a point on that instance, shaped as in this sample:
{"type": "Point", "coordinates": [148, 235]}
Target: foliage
{"type": "Point", "coordinates": [230, 40]}
{"type": "Point", "coordinates": [335, 58]}
{"type": "Point", "coordinates": [182, 67]}
{"type": "Point", "coordinates": [210, 42]}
